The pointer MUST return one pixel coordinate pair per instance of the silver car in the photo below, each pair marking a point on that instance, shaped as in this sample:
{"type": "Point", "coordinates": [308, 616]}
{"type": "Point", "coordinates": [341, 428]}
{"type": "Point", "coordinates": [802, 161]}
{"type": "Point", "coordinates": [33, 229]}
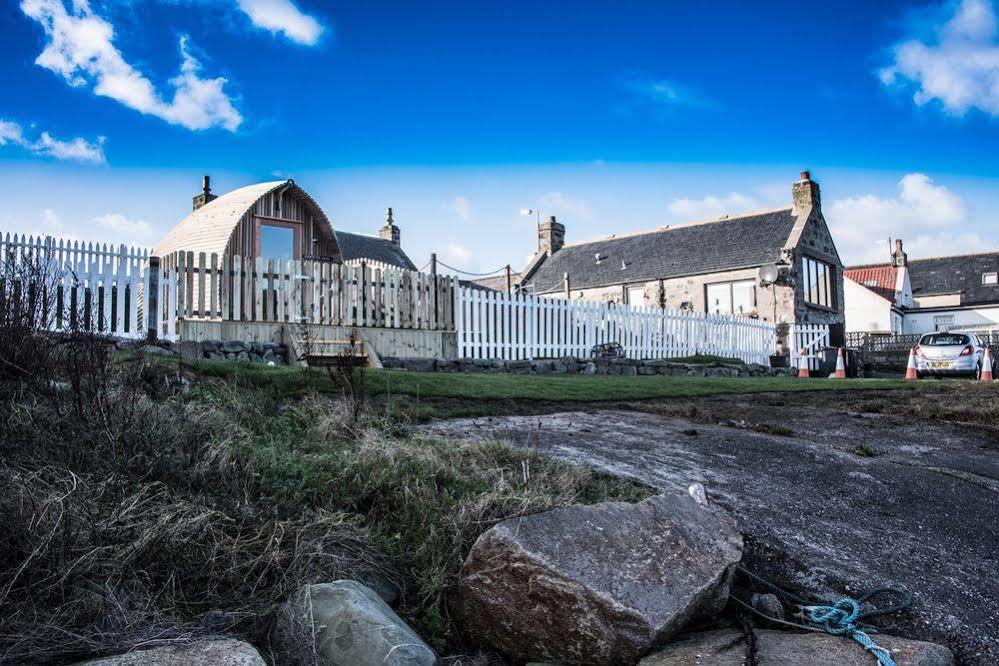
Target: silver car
{"type": "Point", "coordinates": [950, 353]}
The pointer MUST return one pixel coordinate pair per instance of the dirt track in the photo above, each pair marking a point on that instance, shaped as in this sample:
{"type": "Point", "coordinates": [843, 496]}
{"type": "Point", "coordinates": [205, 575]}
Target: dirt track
{"type": "Point", "coordinates": [832, 501]}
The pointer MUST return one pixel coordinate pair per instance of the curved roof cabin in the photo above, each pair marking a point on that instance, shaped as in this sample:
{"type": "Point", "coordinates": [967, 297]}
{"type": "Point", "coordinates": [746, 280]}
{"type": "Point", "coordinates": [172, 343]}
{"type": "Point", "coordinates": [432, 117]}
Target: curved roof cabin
{"type": "Point", "coordinates": [276, 219]}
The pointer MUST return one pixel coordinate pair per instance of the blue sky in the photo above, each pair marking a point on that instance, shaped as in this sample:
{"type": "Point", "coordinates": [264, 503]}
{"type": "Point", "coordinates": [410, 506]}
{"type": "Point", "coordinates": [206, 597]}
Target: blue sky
{"type": "Point", "coordinates": [615, 116]}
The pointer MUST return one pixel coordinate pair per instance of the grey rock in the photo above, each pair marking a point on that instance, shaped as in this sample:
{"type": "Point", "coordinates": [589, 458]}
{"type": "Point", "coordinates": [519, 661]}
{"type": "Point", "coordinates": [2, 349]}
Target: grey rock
{"type": "Point", "coordinates": [256, 358]}
{"type": "Point", "coordinates": [268, 355]}
{"type": "Point", "coordinates": [155, 350]}
{"type": "Point", "coordinates": [590, 369]}
{"type": "Point", "coordinates": [215, 356]}
{"type": "Point", "coordinates": [629, 370]}
{"type": "Point", "coordinates": [647, 370]}
{"type": "Point", "coordinates": [419, 364]}
{"type": "Point", "coordinates": [727, 647]}
{"type": "Point", "coordinates": [483, 362]}
{"type": "Point", "coordinates": [388, 362]}
{"type": "Point", "coordinates": [256, 348]}
{"type": "Point", "coordinates": [232, 346]}
{"type": "Point", "coordinates": [597, 584]}
{"type": "Point", "coordinates": [696, 371]}
{"type": "Point", "coordinates": [214, 652]}
{"type": "Point", "coordinates": [211, 345]}
{"type": "Point", "coordinates": [230, 356]}
{"type": "Point", "coordinates": [242, 356]}
{"type": "Point", "coordinates": [348, 623]}
{"type": "Point", "coordinates": [543, 367]}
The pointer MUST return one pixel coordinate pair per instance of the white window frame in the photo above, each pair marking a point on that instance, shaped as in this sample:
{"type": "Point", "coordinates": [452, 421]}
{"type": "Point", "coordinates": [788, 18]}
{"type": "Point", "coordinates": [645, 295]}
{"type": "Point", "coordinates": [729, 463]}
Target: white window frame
{"type": "Point", "coordinates": [818, 283]}
{"type": "Point", "coordinates": [731, 296]}
{"type": "Point", "coordinates": [946, 320]}
{"type": "Point", "coordinates": [990, 279]}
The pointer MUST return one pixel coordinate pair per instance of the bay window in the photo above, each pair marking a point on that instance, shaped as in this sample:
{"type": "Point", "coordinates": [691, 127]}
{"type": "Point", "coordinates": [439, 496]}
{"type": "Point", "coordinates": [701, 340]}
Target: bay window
{"type": "Point", "coordinates": [818, 282]}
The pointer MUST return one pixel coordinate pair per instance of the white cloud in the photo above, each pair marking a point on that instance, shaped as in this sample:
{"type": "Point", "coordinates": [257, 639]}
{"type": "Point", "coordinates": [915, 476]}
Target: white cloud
{"type": "Point", "coordinates": [959, 67]}
{"type": "Point", "coordinates": [711, 207]}
{"type": "Point", "coordinates": [77, 149]}
{"type": "Point", "coordinates": [11, 132]}
{"type": "Point", "coordinates": [282, 16]}
{"type": "Point", "coordinates": [563, 204]}
{"type": "Point", "coordinates": [127, 231]}
{"type": "Point", "coordinates": [81, 49]}
{"type": "Point", "coordinates": [930, 218]}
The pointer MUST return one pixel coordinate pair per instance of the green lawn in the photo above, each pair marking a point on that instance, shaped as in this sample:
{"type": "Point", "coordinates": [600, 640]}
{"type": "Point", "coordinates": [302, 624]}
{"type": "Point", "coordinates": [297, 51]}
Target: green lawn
{"type": "Point", "coordinates": [291, 381]}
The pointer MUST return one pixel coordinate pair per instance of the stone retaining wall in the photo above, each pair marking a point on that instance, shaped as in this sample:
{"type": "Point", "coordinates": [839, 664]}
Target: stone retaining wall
{"type": "Point", "coordinates": [578, 366]}
{"type": "Point", "coordinates": [230, 350]}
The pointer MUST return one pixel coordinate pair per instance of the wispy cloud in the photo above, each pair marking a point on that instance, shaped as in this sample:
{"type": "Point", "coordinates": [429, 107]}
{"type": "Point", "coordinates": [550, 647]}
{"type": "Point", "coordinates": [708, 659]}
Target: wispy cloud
{"type": "Point", "coordinates": [283, 17]}
{"type": "Point", "coordinates": [123, 229]}
{"type": "Point", "coordinates": [81, 50]}
{"type": "Point", "coordinates": [712, 206]}
{"type": "Point", "coordinates": [561, 203]}
{"type": "Point", "coordinates": [461, 206]}
{"type": "Point", "coordinates": [958, 66]}
{"type": "Point", "coordinates": [662, 92]}
{"type": "Point", "coordinates": [77, 149]}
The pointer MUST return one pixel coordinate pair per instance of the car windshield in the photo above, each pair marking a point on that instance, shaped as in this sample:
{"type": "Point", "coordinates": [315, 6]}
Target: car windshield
{"type": "Point", "coordinates": [944, 339]}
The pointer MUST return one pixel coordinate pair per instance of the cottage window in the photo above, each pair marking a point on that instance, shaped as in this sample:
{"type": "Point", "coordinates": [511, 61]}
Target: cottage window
{"type": "Point", "coordinates": [943, 322]}
{"type": "Point", "coordinates": [277, 242]}
{"type": "Point", "coordinates": [818, 282]}
{"type": "Point", "coordinates": [990, 278]}
{"type": "Point", "coordinates": [731, 297]}
{"type": "Point", "coordinates": [636, 295]}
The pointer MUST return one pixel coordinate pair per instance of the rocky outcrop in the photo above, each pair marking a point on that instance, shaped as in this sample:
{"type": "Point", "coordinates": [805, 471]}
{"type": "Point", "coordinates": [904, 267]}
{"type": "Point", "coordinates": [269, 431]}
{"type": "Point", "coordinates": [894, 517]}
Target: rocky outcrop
{"type": "Point", "coordinates": [216, 652]}
{"type": "Point", "coordinates": [727, 647]}
{"type": "Point", "coordinates": [345, 623]}
{"type": "Point", "coordinates": [597, 584]}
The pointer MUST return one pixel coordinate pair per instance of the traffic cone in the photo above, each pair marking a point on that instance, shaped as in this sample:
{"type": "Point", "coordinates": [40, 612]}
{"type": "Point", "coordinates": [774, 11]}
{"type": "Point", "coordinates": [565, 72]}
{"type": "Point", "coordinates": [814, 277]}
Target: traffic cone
{"type": "Point", "coordinates": [840, 366]}
{"type": "Point", "coordinates": [803, 365]}
{"type": "Point", "coordinates": [910, 368]}
{"type": "Point", "coordinates": [986, 375]}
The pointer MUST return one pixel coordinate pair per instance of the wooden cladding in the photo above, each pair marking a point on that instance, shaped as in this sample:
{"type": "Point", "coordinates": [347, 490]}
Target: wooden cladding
{"type": "Point", "coordinates": [314, 292]}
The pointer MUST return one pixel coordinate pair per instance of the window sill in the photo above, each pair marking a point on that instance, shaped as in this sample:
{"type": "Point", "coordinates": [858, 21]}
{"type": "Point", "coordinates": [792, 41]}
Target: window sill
{"type": "Point", "coordinates": [822, 308]}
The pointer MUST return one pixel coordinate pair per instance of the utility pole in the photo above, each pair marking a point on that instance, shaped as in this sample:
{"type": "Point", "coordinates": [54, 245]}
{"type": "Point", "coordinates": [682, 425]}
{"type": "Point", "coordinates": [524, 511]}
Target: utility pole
{"type": "Point", "coordinates": [565, 279]}
{"type": "Point", "coordinates": [433, 280]}
{"type": "Point", "coordinates": [509, 281]}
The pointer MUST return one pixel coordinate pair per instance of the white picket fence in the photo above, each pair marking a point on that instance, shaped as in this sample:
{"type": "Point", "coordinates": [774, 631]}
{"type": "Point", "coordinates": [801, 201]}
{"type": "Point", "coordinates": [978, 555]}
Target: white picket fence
{"type": "Point", "coordinates": [493, 324]}
{"type": "Point", "coordinates": [90, 286]}
{"type": "Point", "coordinates": [808, 340]}
{"type": "Point", "coordinates": [198, 287]}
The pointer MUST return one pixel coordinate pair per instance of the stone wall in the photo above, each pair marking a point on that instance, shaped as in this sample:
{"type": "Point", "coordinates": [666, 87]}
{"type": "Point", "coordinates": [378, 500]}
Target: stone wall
{"type": "Point", "coordinates": [219, 350]}
{"type": "Point", "coordinates": [579, 366]}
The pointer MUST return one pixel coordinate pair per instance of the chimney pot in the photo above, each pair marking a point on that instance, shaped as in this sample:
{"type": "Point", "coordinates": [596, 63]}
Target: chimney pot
{"type": "Point", "coordinates": [206, 195]}
{"type": "Point", "coordinates": [805, 175]}
{"type": "Point", "coordinates": [390, 232]}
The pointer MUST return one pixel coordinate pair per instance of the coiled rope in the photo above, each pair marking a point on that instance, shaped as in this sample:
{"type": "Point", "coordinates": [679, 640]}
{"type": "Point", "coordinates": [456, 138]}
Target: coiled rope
{"type": "Point", "coordinates": [844, 618]}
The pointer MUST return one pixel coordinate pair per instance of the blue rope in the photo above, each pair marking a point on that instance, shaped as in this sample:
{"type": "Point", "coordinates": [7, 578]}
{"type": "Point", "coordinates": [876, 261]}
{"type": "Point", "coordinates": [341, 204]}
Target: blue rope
{"type": "Point", "coordinates": [844, 617]}
{"type": "Point", "coordinates": [841, 620]}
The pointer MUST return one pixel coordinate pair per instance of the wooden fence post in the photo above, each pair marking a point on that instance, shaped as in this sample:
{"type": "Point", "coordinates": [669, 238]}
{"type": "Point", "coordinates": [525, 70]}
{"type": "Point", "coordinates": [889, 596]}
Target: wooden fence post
{"type": "Point", "coordinates": [152, 293]}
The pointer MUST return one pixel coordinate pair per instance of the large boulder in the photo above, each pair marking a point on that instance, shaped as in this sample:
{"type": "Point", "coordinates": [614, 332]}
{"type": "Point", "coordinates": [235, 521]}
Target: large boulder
{"type": "Point", "coordinates": [215, 652]}
{"type": "Point", "coordinates": [345, 623]}
{"type": "Point", "coordinates": [597, 584]}
{"type": "Point", "coordinates": [727, 647]}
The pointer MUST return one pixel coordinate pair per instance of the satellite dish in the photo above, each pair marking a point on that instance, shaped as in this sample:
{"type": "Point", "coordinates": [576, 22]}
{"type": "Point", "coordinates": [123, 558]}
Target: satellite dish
{"type": "Point", "coordinates": [768, 274]}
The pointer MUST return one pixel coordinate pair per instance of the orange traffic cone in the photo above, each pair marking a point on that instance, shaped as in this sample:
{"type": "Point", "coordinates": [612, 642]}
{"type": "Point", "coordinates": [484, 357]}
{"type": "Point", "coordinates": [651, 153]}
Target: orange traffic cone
{"type": "Point", "coordinates": [910, 369]}
{"type": "Point", "coordinates": [986, 375]}
{"type": "Point", "coordinates": [840, 366]}
{"type": "Point", "coordinates": [803, 365]}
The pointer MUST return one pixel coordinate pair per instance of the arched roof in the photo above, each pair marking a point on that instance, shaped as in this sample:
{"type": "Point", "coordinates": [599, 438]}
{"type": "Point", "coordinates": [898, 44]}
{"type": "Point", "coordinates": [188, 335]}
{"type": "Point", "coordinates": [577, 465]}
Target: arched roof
{"type": "Point", "coordinates": [209, 228]}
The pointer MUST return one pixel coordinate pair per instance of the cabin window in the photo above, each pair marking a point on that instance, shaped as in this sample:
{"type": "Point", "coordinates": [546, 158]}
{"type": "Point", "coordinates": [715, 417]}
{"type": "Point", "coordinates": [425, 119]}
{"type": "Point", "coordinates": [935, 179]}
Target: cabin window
{"type": "Point", "coordinates": [636, 295]}
{"type": "Point", "coordinates": [731, 297]}
{"type": "Point", "coordinates": [818, 282]}
{"type": "Point", "coordinates": [990, 278]}
{"type": "Point", "coordinates": [277, 242]}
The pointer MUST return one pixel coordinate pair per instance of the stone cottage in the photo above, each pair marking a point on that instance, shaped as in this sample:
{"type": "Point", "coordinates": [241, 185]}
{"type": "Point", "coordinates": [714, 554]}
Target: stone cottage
{"type": "Point", "coordinates": [777, 265]}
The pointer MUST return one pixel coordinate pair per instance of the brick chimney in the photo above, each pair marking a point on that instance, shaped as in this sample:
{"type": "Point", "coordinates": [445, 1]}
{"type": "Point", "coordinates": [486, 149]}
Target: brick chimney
{"type": "Point", "coordinates": [806, 195]}
{"type": "Point", "coordinates": [206, 195]}
{"type": "Point", "coordinates": [390, 232]}
{"type": "Point", "coordinates": [899, 258]}
{"type": "Point", "coordinates": [551, 236]}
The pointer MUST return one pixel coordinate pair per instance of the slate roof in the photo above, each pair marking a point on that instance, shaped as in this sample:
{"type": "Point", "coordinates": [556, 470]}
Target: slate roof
{"type": "Point", "coordinates": [497, 282]}
{"type": "Point", "coordinates": [879, 279]}
{"type": "Point", "coordinates": [961, 274]}
{"type": "Point", "coordinates": [745, 241]}
{"type": "Point", "coordinates": [374, 248]}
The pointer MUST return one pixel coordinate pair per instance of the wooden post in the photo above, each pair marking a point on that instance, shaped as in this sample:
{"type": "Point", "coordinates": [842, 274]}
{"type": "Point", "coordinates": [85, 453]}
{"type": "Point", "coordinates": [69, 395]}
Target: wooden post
{"type": "Point", "coordinates": [152, 299]}
{"type": "Point", "coordinates": [433, 281]}
{"type": "Point", "coordinates": [565, 280]}
{"type": "Point", "coordinates": [509, 281]}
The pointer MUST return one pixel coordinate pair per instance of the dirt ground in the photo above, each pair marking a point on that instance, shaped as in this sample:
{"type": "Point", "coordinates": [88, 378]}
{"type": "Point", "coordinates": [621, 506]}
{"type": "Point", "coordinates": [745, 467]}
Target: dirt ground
{"type": "Point", "coordinates": [835, 493]}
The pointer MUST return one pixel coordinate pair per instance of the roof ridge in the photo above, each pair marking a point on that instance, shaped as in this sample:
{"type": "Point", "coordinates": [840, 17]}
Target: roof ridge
{"type": "Point", "coordinates": [667, 228]}
{"type": "Point", "coordinates": [957, 256]}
